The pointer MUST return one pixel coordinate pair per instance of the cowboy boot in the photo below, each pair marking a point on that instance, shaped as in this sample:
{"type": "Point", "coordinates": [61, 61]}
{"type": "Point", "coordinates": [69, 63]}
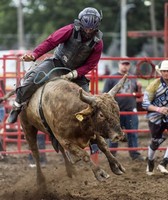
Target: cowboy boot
{"type": "Point", "coordinates": [162, 166]}
{"type": "Point", "coordinates": [14, 113]}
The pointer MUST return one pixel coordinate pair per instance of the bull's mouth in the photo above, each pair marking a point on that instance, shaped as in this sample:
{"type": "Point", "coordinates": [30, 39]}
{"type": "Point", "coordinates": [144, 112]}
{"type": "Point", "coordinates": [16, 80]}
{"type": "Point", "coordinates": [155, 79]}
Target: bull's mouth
{"type": "Point", "coordinates": [117, 138]}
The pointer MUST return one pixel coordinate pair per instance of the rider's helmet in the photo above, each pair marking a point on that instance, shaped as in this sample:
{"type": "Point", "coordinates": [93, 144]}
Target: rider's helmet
{"type": "Point", "coordinates": [90, 18]}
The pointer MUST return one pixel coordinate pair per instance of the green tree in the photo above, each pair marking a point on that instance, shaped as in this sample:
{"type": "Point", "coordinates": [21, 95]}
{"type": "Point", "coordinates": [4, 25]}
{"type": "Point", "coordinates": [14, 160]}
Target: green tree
{"type": "Point", "coordinates": [8, 24]}
{"type": "Point", "coordinates": [42, 17]}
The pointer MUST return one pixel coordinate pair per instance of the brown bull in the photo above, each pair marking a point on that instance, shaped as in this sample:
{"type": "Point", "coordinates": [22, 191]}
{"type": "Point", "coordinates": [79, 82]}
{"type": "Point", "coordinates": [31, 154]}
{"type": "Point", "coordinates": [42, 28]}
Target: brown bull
{"type": "Point", "coordinates": [75, 117]}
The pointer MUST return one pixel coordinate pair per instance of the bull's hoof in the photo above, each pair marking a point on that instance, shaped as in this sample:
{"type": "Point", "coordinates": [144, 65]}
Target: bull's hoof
{"type": "Point", "coordinates": [117, 169]}
{"type": "Point", "coordinates": [101, 175]}
{"type": "Point", "coordinates": [122, 169]}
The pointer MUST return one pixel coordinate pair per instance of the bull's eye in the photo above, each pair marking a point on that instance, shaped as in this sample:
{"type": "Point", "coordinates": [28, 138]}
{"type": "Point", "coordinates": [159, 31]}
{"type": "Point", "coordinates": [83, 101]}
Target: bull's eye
{"type": "Point", "coordinates": [101, 115]}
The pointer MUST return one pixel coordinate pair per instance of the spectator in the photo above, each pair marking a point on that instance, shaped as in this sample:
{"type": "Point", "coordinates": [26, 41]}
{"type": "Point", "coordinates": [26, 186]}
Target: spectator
{"type": "Point", "coordinates": [41, 145]}
{"type": "Point", "coordinates": [126, 103]}
{"type": "Point", "coordinates": [2, 116]}
{"type": "Point", "coordinates": [155, 101]}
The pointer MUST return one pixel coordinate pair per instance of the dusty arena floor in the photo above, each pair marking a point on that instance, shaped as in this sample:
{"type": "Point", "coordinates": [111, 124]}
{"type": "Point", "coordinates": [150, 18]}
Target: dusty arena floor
{"type": "Point", "coordinates": [18, 181]}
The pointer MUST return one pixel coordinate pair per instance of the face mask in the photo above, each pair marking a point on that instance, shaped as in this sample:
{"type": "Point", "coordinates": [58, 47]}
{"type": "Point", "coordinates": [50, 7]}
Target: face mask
{"type": "Point", "coordinates": [87, 36]}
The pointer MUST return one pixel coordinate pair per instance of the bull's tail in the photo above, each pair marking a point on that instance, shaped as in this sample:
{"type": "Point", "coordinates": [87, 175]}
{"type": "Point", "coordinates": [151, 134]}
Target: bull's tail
{"type": "Point", "coordinates": [6, 96]}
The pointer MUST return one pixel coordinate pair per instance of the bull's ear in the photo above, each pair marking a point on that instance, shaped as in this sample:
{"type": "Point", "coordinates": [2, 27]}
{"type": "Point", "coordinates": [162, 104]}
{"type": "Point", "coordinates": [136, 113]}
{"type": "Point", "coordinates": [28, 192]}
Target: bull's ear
{"type": "Point", "coordinates": [118, 86]}
{"type": "Point", "coordinates": [84, 113]}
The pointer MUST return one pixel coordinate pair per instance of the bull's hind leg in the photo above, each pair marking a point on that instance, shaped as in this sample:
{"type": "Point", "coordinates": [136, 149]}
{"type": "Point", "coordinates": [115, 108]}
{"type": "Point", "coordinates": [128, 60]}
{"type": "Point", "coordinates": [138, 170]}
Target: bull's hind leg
{"type": "Point", "coordinates": [31, 137]}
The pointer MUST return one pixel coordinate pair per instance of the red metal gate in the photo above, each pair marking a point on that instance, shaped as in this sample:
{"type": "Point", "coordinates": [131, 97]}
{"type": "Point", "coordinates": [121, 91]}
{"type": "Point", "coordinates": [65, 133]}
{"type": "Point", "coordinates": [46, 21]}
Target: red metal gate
{"type": "Point", "coordinates": [12, 134]}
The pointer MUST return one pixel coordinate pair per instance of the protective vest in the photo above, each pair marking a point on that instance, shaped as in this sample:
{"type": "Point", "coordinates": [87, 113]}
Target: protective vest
{"type": "Point", "coordinates": [73, 53]}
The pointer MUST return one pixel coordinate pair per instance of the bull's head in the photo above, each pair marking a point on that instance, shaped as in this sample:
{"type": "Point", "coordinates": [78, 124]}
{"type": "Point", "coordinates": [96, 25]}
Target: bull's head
{"type": "Point", "coordinates": [104, 112]}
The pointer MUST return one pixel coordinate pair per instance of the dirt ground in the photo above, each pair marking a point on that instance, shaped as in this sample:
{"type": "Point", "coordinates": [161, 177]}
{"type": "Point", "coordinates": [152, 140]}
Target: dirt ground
{"type": "Point", "coordinates": [18, 181]}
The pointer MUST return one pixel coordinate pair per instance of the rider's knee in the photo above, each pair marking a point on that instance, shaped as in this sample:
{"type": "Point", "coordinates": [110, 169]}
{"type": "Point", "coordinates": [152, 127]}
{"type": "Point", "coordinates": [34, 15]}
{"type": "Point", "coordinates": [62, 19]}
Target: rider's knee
{"type": "Point", "coordinates": [156, 142]}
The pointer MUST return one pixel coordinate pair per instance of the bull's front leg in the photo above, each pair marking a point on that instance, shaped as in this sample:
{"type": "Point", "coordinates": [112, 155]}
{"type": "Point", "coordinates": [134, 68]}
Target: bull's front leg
{"type": "Point", "coordinates": [115, 166]}
{"type": "Point", "coordinates": [81, 154]}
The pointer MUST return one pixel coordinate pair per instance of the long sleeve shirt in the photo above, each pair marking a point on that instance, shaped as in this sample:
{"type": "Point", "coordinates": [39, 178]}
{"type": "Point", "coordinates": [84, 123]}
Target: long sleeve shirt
{"type": "Point", "coordinates": [60, 36]}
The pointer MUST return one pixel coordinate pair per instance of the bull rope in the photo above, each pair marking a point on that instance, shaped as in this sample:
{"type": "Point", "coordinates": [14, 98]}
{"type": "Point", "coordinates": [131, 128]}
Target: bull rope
{"type": "Point", "coordinates": [47, 76]}
{"type": "Point", "coordinates": [54, 141]}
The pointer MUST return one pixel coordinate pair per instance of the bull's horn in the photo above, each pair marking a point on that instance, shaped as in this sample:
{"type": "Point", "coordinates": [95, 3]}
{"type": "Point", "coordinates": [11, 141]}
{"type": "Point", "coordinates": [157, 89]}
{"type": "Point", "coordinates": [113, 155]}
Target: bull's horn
{"type": "Point", "coordinates": [86, 98]}
{"type": "Point", "coordinates": [118, 86]}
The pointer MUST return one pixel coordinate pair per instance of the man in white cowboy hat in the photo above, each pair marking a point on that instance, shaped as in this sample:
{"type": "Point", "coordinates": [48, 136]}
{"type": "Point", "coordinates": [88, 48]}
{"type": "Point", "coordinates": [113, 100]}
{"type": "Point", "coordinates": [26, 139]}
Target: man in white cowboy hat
{"type": "Point", "coordinates": [155, 101]}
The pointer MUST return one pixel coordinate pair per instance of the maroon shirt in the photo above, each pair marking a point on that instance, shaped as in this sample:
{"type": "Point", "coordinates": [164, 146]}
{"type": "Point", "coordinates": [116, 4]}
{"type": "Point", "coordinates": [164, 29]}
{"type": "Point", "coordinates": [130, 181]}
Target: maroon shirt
{"type": "Point", "coordinates": [60, 36]}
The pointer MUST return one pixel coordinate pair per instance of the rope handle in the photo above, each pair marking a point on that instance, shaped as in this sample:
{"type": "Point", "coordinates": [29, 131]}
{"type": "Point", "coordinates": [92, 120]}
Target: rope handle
{"type": "Point", "coordinates": [47, 76]}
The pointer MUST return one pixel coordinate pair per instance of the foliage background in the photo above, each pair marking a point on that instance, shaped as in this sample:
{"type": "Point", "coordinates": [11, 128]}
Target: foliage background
{"type": "Point", "coordinates": [42, 17]}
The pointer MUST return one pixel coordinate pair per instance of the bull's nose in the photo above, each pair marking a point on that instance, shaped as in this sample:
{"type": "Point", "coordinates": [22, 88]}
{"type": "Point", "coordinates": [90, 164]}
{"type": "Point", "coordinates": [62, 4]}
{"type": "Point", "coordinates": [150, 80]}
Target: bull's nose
{"type": "Point", "coordinates": [117, 138]}
{"type": "Point", "coordinates": [118, 130]}
{"type": "Point", "coordinates": [124, 138]}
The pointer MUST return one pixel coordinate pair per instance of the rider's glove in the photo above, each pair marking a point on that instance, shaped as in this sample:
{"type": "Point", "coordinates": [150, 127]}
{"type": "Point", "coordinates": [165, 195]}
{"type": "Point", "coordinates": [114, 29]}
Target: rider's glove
{"type": "Point", "coordinates": [28, 57]}
{"type": "Point", "coordinates": [71, 75]}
